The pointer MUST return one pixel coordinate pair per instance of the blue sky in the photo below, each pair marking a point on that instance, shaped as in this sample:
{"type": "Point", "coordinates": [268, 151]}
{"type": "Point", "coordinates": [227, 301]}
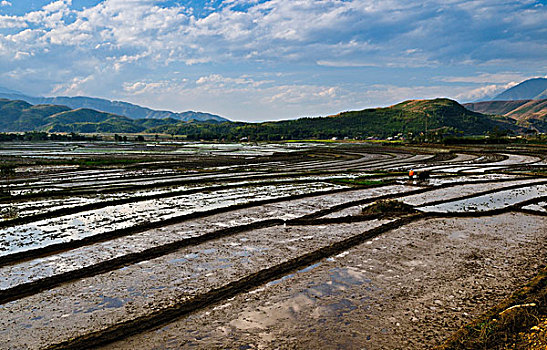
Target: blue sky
{"type": "Point", "coordinates": [267, 60]}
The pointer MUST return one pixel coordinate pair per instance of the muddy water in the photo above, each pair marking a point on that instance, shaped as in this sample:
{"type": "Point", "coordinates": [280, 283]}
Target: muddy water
{"type": "Point", "coordinates": [93, 303]}
{"type": "Point", "coordinates": [35, 269]}
{"type": "Point", "coordinates": [39, 206]}
{"type": "Point", "coordinates": [439, 180]}
{"type": "Point", "coordinates": [442, 193]}
{"type": "Point", "coordinates": [463, 190]}
{"type": "Point", "coordinates": [77, 226]}
{"type": "Point", "coordinates": [493, 201]}
{"type": "Point", "coordinates": [408, 289]}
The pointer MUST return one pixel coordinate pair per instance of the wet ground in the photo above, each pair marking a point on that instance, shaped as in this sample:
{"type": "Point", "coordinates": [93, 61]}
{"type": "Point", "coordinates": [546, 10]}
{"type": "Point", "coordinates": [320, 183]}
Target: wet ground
{"type": "Point", "coordinates": [264, 246]}
{"type": "Point", "coordinates": [407, 289]}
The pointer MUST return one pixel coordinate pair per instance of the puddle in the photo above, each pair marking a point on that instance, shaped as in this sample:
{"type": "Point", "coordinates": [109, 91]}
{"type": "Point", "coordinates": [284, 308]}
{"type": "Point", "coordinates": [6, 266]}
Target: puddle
{"type": "Point", "coordinates": [35, 269]}
{"type": "Point", "coordinates": [77, 226]}
{"type": "Point", "coordinates": [286, 277]}
{"type": "Point", "coordinates": [540, 207]}
{"type": "Point", "coordinates": [318, 300]}
{"type": "Point", "coordinates": [498, 200]}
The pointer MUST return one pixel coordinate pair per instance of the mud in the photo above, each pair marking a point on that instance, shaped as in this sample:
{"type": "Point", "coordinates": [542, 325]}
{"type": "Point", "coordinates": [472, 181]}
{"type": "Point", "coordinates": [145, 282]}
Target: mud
{"type": "Point", "coordinates": [207, 227]}
{"type": "Point", "coordinates": [407, 289]}
{"type": "Point", "coordinates": [131, 291]}
{"type": "Point", "coordinates": [260, 246]}
{"type": "Point", "coordinates": [85, 224]}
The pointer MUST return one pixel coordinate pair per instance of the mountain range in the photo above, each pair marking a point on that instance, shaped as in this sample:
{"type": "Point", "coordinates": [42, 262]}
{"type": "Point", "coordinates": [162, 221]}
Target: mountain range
{"type": "Point", "coordinates": [526, 103]}
{"type": "Point", "coordinates": [114, 107]}
{"type": "Point", "coordinates": [410, 117]}
{"type": "Point", "coordinates": [413, 117]}
{"type": "Point", "coordinates": [531, 89]}
{"type": "Point", "coordinates": [17, 115]}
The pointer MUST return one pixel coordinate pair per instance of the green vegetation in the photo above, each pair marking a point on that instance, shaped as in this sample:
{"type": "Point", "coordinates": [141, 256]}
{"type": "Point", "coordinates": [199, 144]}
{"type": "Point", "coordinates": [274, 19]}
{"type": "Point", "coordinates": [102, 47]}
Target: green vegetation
{"type": "Point", "coordinates": [409, 120]}
{"type": "Point", "coordinates": [22, 116]}
{"type": "Point", "coordinates": [360, 181]}
{"type": "Point", "coordinates": [417, 120]}
{"type": "Point", "coordinates": [90, 121]}
{"type": "Point", "coordinates": [44, 136]}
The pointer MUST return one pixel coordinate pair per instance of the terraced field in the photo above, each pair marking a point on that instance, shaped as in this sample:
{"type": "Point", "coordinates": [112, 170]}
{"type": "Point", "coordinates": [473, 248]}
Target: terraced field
{"type": "Point", "coordinates": [185, 245]}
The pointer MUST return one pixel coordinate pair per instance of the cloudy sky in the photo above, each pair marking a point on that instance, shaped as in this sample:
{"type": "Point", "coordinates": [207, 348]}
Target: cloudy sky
{"type": "Point", "coordinates": [264, 60]}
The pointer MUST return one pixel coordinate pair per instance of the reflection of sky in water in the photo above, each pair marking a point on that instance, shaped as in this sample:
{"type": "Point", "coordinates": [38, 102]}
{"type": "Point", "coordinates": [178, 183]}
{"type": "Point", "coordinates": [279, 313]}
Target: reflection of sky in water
{"type": "Point", "coordinates": [541, 207]}
{"type": "Point", "coordinates": [32, 207]}
{"type": "Point", "coordinates": [492, 201]}
{"type": "Point", "coordinates": [88, 255]}
{"type": "Point", "coordinates": [163, 281]}
{"type": "Point", "coordinates": [80, 225]}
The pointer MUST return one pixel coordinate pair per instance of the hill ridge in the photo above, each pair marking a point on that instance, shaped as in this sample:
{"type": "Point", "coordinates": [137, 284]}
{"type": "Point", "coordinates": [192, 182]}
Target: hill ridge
{"type": "Point", "coordinates": [122, 108]}
{"type": "Point", "coordinates": [531, 89]}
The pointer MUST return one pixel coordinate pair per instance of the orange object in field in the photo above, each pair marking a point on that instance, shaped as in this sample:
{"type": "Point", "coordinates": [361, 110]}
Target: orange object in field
{"type": "Point", "coordinates": [411, 173]}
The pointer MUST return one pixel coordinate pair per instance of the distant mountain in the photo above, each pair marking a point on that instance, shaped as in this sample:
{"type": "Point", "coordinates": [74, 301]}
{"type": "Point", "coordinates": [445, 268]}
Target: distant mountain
{"type": "Point", "coordinates": [532, 109]}
{"type": "Point", "coordinates": [526, 113]}
{"type": "Point", "coordinates": [532, 89]}
{"type": "Point", "coordinates": [441, 116]}
{"type": "Point", "coordinates": [17, 115]}
{"type": "Point", "coordinates": [4, 90]}
{"type": "Point", "coordinates": [115, 107]}
{"type": "Point", "coordinates": [495, 107]}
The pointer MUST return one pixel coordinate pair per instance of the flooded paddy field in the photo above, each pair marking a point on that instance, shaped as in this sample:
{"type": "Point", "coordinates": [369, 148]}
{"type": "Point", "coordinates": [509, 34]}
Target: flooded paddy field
{"type": "Point", "coordinates": [287, 245]}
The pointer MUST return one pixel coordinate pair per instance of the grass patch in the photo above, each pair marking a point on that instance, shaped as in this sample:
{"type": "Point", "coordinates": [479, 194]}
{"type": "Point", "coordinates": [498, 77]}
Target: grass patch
{"type": "Point", "coordinates": [508, 325]}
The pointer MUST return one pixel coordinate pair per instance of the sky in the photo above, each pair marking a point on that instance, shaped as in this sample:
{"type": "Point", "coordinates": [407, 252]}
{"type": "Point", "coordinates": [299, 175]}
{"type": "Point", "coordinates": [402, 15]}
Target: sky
{"type": "Point", "coordinates": [256, 60]}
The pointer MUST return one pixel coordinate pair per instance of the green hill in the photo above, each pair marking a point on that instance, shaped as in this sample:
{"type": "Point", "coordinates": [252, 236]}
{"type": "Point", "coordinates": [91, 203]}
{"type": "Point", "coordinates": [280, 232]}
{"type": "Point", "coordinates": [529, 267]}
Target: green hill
{"type": "Point", "coordinates": [441, 116]}
{"type": "Point", "coordinates": [22, 116]}
{"type": "Point", "coordinates": [409, 118]}
{"type": "Point", "coordinates": [85, 120]}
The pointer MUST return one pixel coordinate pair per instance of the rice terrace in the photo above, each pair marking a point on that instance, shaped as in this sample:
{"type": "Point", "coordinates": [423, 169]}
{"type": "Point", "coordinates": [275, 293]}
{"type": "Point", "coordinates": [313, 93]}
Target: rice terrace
{"type": "Point", "coordinates": [273, 174]}
{"type": "Point", "coordinates": [169, 244]}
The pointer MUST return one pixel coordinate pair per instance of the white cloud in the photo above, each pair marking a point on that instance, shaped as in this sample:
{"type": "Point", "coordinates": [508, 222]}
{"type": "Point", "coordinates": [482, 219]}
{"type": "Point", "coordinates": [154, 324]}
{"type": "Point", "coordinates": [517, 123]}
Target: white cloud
{"type": "Point", "coordinates": [57, 6]}
{"type": "Point", "coordinates": [5, 3]}
{"type": "Point", "coordinates": [19, 55]}
{"type": "Point", "coordinates": [74, 87]}
{"type": "Point", "coordinates": [345, 64]}
{"type": "Point", "coordinates": [502, 77]}
{"type": "Point", "coordinates": [12, 22]}
{"type": "Point", "coordinates": [330, 32]}
{"type": "Point", "coordinates": [486, 91]}
{"type": "Point", "coordinates": [299, 94]}
{"type": "Point", "coordinates": [130, 47]}
{"type": "Point", "coordinates": [155, 87]}
{"type": "Point", "coordinates": [217, 80]}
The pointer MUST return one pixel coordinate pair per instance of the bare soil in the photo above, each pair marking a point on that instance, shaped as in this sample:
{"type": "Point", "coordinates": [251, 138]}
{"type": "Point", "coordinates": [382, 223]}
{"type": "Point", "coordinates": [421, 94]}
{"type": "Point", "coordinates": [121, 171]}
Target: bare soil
{"type": "Point", "coordinates": [408, 289]}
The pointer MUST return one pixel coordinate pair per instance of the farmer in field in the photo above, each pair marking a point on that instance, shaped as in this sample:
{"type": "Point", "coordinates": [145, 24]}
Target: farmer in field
{"type": "Point", "coordinates": [419, 175]}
